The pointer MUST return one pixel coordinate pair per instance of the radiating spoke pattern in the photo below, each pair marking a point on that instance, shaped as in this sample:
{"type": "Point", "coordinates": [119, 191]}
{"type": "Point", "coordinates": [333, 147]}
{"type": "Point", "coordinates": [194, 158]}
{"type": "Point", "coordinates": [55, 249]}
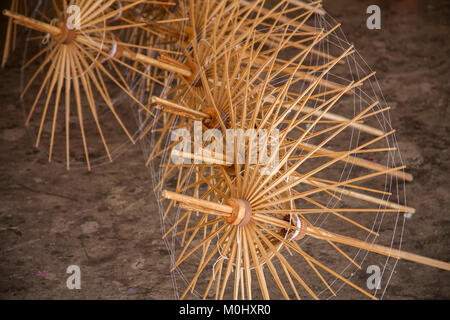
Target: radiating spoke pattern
{"type": "Point", "coordinates": [270, 141]}
{"type": "Point", "coordinates": [254, 69]}
{"type": "Point", "coordinates": [79, 67]}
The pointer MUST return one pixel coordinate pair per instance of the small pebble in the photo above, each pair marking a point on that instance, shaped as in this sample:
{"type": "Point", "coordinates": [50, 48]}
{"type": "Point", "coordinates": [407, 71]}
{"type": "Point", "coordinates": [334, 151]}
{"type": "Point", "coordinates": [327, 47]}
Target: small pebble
{"type": "Point", "coordinates": [89, 227]}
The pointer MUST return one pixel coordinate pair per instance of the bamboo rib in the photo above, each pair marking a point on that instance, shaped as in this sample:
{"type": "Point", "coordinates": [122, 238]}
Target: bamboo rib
{"type": "Point", "coordinates": [307, 6]}
{"type": "Point", "coordinates": [356, 161]}
{"type": "Point", "coordinates": [200, 157]}
{"type": "Point", "coordinates": [308, 257]}
{"type": "Point", "coordinates": [33, 23]}
{"type": "Point", "coordinates": [283, 19]}
{"type": "Point", "coordinates": [157, 63]}
{"type": "Point", "coordinates": [9, 35]}
{"type": "Point", "coordinates": [367, 198]}
{"type": "Point", "coordinates": [331, 116]}
{"type": "Point", "coordinates": [180, 110]}
{"type": "Point", "coordinates": [395, 253]}
{"type": "Point", "coordinates": [336, 117]}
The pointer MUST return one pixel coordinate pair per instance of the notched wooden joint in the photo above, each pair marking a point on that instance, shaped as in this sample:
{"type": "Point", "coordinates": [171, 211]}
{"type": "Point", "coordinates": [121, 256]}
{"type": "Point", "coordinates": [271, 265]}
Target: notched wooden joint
{"type": "Point", "coordinates": [67, 35]}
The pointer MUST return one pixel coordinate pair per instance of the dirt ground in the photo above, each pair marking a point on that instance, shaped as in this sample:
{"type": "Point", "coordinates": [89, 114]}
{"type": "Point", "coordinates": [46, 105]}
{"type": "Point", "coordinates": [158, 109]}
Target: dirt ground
{"type": "Point", "coordinates": [107, 223]}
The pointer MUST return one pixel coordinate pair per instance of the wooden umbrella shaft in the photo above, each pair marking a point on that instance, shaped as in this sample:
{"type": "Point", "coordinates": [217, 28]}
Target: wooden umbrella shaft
{"type": "Point", "coordinates": [174, 108]}
{"type": "Point", "coordinates": [32, 23]}
{"type": "Point", "coordinates": [395, 253]}
{"type": "Point", "coordinates": [197, 204]}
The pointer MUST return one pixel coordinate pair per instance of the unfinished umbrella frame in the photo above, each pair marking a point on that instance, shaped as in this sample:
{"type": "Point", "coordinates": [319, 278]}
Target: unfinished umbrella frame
{"type": "Point", "coordinates": [275, 86]}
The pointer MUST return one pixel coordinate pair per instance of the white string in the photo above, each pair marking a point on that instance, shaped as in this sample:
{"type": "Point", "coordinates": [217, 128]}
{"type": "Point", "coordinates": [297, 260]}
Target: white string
{"type": "Point", "coordinates": [113, 51]}
{"type": "Point", "coordinates": [297, 231]}
{"type": "Point", "coordinates": [47, 37]}
{"type": "Point", "coordinates": [221, 257]}
{"type": "Point", "coordinates": [119, 15]}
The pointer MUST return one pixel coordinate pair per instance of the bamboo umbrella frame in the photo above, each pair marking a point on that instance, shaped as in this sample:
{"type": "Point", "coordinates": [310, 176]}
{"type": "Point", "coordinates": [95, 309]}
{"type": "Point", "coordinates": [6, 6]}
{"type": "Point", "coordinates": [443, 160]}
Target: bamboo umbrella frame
{"type": "Point", "coordinates": [220, 70]}
{"type": "Point", "coordinates": [238, 217]}
{"type": "Point", "coordinates": [97, 43]}
{"type": "Point", "coordinates": [73, 60]}
{"type": "Point", "coordinates": [305, 109]}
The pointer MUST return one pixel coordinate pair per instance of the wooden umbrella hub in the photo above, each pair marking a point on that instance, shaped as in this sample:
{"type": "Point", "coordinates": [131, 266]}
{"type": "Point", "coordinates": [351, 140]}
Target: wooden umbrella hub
{"type": "Point", "coordinates": [188, 35]}
{"type": "Point", "coordinates": [213, 120]}
{"type": "Point", "coordinates": [193, 77]}
{"type": "Point", "coordinates": [242, 212]}
{"type": "Point", "coordinates": [66, 36]}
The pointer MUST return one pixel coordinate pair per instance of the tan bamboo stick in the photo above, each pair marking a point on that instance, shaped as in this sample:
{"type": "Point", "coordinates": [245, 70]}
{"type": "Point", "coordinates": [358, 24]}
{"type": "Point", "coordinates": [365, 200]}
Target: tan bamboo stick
{"type": "Point", "coordinates": [99, 83]}
{"type": "Point", "coordinates": [49, 95]}
{"type": "Point", "coordinates": [283, 19]}
{"type": "Point", "coordinates": [332, 116]}
{"type": "Point", "coordinates": [395, 253]}
{"type": "Point", "coordinates": [356, 161]}
{"type": "Point", "coordinates": [62, 70]}
{"type": "Point", "coordinates": [247, 267]}
{"type": "Point", "coordinates": [218, 267]}
{"type": "Point", "coordinates": [89, 94]}
{"type": "Point", "coordinates": [68, 86]}
{"type": "Point", "coordinates": [9, 34]}
{"type": "Point", "coordinates": [186, 246]}
{"type": "Point", "coordinates": [208, 223]}
{"type": "Point", "coordinates": [212, 279]}
{"type": "Point", "coordinates": [306, 211]}
{"type": "Point", "coordinates": [368, 198]}
{"type": "Point", "coordinates": [256, 185]}
{"type": "Point", "coordinates": [285, 263]}
{"type": "Point", "coordinates": [212, 253]}
{"type": "Point", "coordinates": [267, 259]}
{"type": "Point", "coordinates": [178, 109]}
{"type": "Point", "coordinates": [257, 265]}
{"type": "Point", "coordinates": [256, 192]}
{"type": "Point", "coordinates": [308, 77]}
{"type": "Point", "coordinates": [33, 23]}
{"type": "Point", "coordinates": [228, 270]}
{"type": "Point", "coordinates": [325, 186]}
{"type": "Point", "coordinates": [225, 252]}
{"type": "Point", "coordinates": [308, 257]}
{"type": "Point", "coordinates": [199, 204]}
{"type": "Point", "coordinates": [238, 273]}
{"type": "Point", "coordinates": [336, 117]}
{"type": "Point", "coordinates": [305, 4]}
{"type": "Point", "coordinates": [200, 157]}
{"type": "Point", "coordinates": [157, 63]}
{"type": "Point", "coordinates": [341, 216]}
{"type": "Point", "coordinates": [76, 87]}
{"type": "Point", "coordinates": [286, 272]}
{"type": "Point", "coordinates": [213, 234]}
{"type": "Point", "coordinates": [319, 275]}
{"type": "Point", "coordinates": [172, 20]}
